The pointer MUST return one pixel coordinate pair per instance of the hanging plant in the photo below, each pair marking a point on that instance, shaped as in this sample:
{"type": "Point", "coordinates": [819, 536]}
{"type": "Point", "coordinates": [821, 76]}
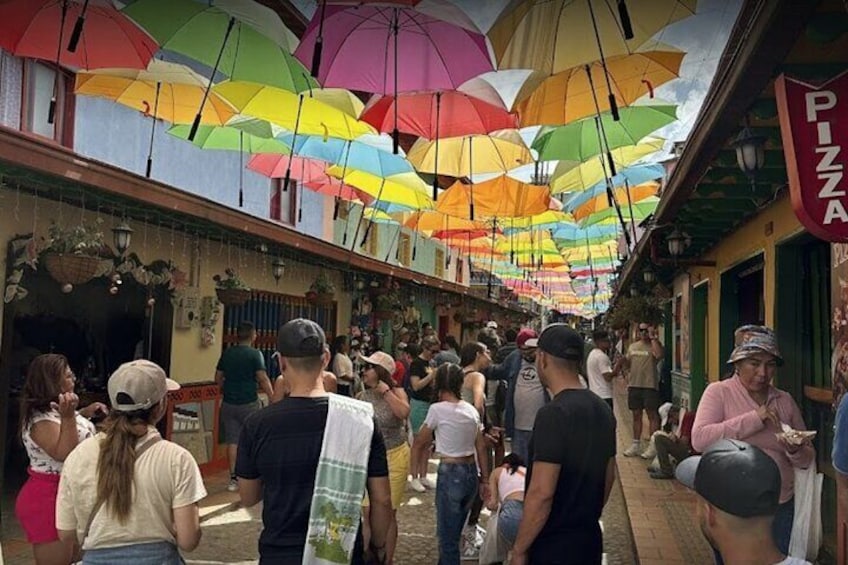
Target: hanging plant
{"type": "Point", "coordinates": [231, 290]}
{"type": "Point", "coordinates": [634, 309]}
{"type": "Point", "coordinates": [322, 290]}
{"type": "Point", "coordinates": [73, 255]}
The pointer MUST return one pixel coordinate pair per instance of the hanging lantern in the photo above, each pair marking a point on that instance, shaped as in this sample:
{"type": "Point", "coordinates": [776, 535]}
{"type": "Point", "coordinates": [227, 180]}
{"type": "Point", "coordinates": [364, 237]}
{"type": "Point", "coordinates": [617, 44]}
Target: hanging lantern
{"type": "Point", "coordinates": [122, 237]}
{"type": "Point", "coordinates": [750, 151]}
{"type": "Point", "coordinates": [278, 269]}
{"type": "Point", "coordinates": [677, 243]}
{"type": "Point", "coordinates": [648, 276]}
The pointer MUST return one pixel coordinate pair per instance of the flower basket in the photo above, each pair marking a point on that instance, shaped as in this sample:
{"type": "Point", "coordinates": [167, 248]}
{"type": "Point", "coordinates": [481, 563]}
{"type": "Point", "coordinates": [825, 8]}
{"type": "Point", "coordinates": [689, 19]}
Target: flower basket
{"type": "Point", "coordinates": [233, 296]}
{"type": "Point", "coordinates": [320, 298]}
{"type": "Point", "coordinates": [70, 268]}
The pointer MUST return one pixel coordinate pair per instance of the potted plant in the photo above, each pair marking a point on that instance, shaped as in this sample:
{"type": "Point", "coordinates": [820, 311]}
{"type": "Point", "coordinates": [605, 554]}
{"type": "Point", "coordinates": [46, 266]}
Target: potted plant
{"type": "Point", "coordinates": [231, 290]}
{"type": "Point", "coordinates": [634, 309]}
{"type": "Point", "coordinates": [386, 305]}
{"type": "Point", "coordinates": [73, 255]}
{"type": "Point", "coordinates": [322, 290]}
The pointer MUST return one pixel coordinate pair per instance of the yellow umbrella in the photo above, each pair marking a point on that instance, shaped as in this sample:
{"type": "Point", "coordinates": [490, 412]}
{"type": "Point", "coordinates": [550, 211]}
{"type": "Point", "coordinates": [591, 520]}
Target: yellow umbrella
{"type": "Point", "coordinates": [584, 253]}
{"type": "Point", "coordinates": [163, 90]}
{"type": "Point", "coordinates": [549, 218]}
{"type": "Point", "coordinates": [567, 178]}
{"type": "Point", "coordinates": [339, 98]}
{"type": "Point", "coordinates": [552, 36]}
{"type": "Point", "coordinates": [405, 190]}
{"type": "Point", "coordinates": [497, 152]}
{"type": "Point", "coordinates": [501, 197]}
{"type": "Point", "coordinates": [567, 96]}
{"type": "Point", "coordinates": [623, 196]}
{"type": "Point", "coordinates": [296, 112]}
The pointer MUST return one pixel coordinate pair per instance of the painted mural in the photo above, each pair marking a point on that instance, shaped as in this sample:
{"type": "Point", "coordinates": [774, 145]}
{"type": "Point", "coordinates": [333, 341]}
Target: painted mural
{"type": "Point", "coordinates": [839, 320]}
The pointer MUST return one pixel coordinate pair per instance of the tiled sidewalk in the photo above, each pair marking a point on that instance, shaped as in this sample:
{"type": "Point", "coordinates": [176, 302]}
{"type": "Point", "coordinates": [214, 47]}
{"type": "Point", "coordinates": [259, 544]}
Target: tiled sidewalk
{"type": "Point", "coordinates": [662, 512]}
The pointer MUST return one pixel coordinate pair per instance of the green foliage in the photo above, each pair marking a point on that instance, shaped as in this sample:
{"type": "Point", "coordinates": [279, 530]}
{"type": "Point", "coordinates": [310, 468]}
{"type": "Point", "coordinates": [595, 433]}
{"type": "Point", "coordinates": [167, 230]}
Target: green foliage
{"type": "Point", "coordinates": [230, 280]}
{"type": "Point", "coordinates": [633, 309]}
{"type": "Point", "coordinates": [81, 239]}
{"type": "Point", "coordinates": [322, 284]}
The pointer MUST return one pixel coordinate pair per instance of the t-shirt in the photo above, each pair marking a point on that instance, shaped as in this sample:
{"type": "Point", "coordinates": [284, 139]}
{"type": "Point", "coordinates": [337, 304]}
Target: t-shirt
{"type": "Point", "coordinates": [840, 437]}
{"type": "Point", "coordinates": [598, 364]}
{"type": "Point", "coordinates": [446, 356]}
{"type": "Point", "coordinates": [643, 366]}
{"type": "Point", "coordinates": [239, 363]}
{"type": "Point", "coordinates": [165, 477]}
{"type": "Point", "coordinates": [343, 367]}
{"type": "Point", "coordinates": [529, 396]}
{"type": "Point", "coordinates": [418, 368]}
{"type": "Point", "coordinates": [793, 561]}
{"type": "Point", "coordinates": [40, 460]}
{"type": "Point", "coordinates": [577, 431]}
{"type": "Point", "coordinates": [455, 425]}
{"type": "Point", "coordinates": [280, 445]}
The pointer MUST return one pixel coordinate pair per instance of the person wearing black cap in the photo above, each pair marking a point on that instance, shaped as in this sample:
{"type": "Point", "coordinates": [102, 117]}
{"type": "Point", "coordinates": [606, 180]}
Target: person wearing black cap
{"type": "Point", "coordinates": [738, 487]}
{"type": "Point", "coordinates": [280, 447]}
{"type": "Point", "coordinates": [572, 461]}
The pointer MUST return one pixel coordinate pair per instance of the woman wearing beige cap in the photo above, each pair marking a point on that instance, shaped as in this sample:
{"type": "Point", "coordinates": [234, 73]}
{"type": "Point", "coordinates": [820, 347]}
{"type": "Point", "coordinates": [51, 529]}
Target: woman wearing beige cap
{"type": "Point", "coordinates": [391, 408]}
{"type": "Point", "coordinates": [125, 494]}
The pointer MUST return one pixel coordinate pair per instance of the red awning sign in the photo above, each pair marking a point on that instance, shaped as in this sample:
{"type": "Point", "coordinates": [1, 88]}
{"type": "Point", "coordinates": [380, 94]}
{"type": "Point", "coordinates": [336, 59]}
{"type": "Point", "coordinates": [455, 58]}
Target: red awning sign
{"type": "Point", "coordinates": [814, 128]}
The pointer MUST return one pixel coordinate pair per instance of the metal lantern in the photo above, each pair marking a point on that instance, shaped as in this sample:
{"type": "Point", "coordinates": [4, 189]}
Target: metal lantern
{"type": "Point", "coordinates": [676, 243]}
{"type": "Point", "coordinates": [122, 237]}
{"type": "Point", "coordinates": [648, 276]}
{"type": "Point", "coordinates": [278, 269]}
{"type": "Point", "coordinates": [750, 151]}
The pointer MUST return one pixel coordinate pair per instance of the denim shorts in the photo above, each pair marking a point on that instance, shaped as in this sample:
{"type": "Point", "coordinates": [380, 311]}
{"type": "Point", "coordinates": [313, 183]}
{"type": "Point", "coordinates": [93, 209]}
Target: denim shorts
{"type": "Point", "coordinates": [508, 519]}
{"type": "Point", "coordinates": [156, 553]}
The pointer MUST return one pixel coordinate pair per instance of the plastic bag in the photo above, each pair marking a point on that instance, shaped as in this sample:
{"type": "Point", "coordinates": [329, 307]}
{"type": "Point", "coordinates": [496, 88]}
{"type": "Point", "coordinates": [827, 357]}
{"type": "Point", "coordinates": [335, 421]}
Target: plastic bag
{"type": "Point", "coordinates": [492, 550]}
{"type": "Point", "coordinates": [806, 526]}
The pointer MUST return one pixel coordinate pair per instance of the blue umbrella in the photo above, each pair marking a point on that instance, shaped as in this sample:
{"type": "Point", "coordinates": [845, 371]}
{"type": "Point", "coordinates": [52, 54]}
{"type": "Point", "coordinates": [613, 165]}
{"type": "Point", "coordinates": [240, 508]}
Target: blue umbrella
{"type": "Point", "coordinates": [633, 176]}
{"type": "Point", "coordinates": [596, 233]}
{"type": "Point", "coordinates": [348, 154]}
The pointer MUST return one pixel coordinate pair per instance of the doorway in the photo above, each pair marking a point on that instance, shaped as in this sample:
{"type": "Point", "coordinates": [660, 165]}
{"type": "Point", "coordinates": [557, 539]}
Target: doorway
{"type": "Point", "coordinates": [742, 301]}
{"type": "Point", "coordinates": [699, 343]}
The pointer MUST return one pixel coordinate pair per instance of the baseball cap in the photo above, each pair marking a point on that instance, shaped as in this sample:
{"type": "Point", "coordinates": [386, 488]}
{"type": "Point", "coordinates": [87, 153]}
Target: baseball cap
{"type": "Point", "coordinates": [138, 385]}
{"type": "Point", "coordinates": [524, 336]}
{"type": "Point", "coordinates": [301, 338]}
{"type": "Point", "coordinates": [381, 359]}
{"type": "Point", "coordinates": [560, 340]}
{"type": "Point", "coordinates": [735, 477]}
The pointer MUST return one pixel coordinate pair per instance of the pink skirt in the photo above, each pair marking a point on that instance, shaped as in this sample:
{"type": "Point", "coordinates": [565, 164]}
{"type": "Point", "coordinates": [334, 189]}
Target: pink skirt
{"type": "Point", "coordinates": [35, 507]}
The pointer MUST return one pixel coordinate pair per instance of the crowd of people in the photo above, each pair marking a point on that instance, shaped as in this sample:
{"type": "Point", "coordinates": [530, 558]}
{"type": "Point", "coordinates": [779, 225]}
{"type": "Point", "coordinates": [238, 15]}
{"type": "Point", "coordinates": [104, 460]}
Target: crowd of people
{"type": "Point", "coordinates": [346, 433]}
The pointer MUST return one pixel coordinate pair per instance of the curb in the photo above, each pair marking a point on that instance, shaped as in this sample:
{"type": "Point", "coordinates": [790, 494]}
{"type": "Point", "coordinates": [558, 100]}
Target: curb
{"type": "Point", "coordinates": [229, 507]}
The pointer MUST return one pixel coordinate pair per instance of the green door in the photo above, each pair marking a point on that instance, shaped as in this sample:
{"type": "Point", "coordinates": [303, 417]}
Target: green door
{"type": "Point", "coordinates": [698, 339]}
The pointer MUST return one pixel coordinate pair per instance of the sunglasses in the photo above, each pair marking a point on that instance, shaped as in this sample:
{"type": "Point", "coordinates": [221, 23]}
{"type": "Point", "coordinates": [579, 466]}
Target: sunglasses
{"type": "Point", "coordinates": [643, 330]}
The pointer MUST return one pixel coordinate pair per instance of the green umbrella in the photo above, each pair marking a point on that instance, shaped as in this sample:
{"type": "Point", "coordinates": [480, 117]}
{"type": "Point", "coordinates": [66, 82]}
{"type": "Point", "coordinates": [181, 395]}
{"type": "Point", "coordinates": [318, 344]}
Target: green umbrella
{"type": "Point", "coordinates": [641, 210]}
{"type": "Point", "coordinates": [579, 141]}
{"type": "Point", "coordinates": [243, 40]}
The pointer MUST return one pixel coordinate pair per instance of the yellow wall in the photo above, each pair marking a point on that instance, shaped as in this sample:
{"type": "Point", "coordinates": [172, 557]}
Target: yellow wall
{"type": "Point", "coordinates": [190, 361]}
{"type": "Point", "coordinates": [746, 242]}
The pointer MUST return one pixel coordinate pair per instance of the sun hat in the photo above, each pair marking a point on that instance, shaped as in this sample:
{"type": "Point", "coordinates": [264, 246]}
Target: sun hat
{"type": "Point", "coordinates": [752, 339]}
{"type": "Point", "coordinates": [138, 385]}
{"type": "Point", "coordinates": [381, 359]}
{"type": "Point", "coordinates": [735, 477]}
{"type": "Point", "coordinates": [301, 338]}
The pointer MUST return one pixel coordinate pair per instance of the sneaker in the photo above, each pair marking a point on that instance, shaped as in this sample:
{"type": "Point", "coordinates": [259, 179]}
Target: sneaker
{"type": "Point", "coordinates": [416, 485]}
{"type": "Point", "coordinates": [427, 483]}
{"type": "Point", "coordinates": [650, 452]}
{"type": "Point", "coordinates": [661, 475]}
{"type": "Point", "coordinates": [634, 449]}
{"type": "Point", "coordinates": [652, 469]}
{"type": "Point", "coordinates": [232, 486]}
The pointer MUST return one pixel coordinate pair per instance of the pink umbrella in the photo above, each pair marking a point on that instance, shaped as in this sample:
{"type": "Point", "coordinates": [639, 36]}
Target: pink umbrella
{"type": "Point", "coordinates": [330, 186]}
{"type": "Point", "coordinates": [275, 166]}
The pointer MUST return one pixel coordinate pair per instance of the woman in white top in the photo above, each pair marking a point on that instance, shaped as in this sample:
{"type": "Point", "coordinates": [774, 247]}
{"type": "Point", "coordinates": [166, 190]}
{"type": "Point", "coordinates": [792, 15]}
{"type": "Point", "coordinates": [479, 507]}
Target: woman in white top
{"type": "Point", "coordinates": [51, 427]}
{"type": "Point", "coordinates": [456, 427]}
{"type": "Point", "coordinates": [126, 495]}
{"type": "Point", "coordinates": [342, 366]}
{"type": "Point", "coordinates": [506, 491]}
{"type": "Point", "coordinates": [475, 358]}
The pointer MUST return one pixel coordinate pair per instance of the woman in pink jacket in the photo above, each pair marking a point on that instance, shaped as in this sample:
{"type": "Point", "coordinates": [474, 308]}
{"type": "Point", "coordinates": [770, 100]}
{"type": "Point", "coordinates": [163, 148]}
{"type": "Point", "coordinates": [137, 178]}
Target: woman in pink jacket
{"type": "Point", "coordinates": [747, 407]}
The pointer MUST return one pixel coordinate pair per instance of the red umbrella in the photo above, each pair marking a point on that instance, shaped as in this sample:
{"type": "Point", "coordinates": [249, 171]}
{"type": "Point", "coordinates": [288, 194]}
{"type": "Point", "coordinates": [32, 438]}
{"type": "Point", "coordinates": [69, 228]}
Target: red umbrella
{"type": "Point", "coordinates": [51, 30]}
{"type": "Point", "coordinates": [330, 186]}
{"type": "Point", "coordinates": [432, 115]}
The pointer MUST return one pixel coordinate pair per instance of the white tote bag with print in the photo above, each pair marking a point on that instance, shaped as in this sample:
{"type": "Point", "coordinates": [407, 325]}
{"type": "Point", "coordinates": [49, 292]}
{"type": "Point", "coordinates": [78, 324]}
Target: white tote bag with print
{"type": "Point", "coordinates": [806, 526]}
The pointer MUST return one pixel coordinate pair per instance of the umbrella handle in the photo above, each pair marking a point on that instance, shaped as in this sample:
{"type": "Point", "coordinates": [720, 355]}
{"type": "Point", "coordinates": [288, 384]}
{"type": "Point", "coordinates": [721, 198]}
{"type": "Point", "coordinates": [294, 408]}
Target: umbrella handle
{"type": "Point", "coordinates": [316, 56]}
{"type": "Point", "coordinates": [75, 35]}
{"type": "Point", "coordinates": [624, 16]}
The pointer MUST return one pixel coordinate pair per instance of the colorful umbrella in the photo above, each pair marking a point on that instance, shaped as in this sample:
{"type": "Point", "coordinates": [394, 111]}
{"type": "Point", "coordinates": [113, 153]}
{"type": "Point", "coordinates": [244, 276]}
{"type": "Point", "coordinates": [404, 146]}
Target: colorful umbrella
{"type": "Point", "coordinates": [339, 98]}
{"type": "Point", "coordinates": [437, 114]}
{"type": "Point", "coordinates": [568, 178]}
{"type": "Point", "coordinates": [644, 174]}
{"type": "Point", "coordinates": [498, 152]}
{"type": "Point", "coordinates": [567, 96]}
{"type": "Point", "coordinates": [432, 221]}
{"type": "Point", "coordinates": [331, 186]}
{"type": "Point", "coordinates": [501, 197]}
{"type": "Point", "coordinates": [275, 165]}
{"type": "Point", "coordinates": [406, 189]}
{"type": "Point", "coordinates": [640, 211]}
{"type": "Point", "coordinates": [229, 139]}
{"type": "Point", "coordinates": [49, 29]}
{"type": "Point", "coordinates": [579, 141]}
{"type": "Point", "coordinates": [570, 233]}
{"type": "Point", "coordinates": [348, 154]}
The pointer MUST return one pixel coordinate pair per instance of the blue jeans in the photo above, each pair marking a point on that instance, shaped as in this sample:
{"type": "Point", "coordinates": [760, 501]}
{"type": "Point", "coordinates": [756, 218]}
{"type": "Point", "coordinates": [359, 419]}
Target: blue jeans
{"type": "Point", "coordinates": [456, 488]}
{"type": "Point", "coordinates": [781, 529]}
{"type": "Point", "coordinates": [508, 520]}
{"type": "Point", "coordinates": [156, 553]}
{"type": "Point", "coordinates": [521, 444]}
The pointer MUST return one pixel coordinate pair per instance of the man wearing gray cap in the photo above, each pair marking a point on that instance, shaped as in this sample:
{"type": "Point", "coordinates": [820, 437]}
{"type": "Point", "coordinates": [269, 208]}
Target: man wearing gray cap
{"type": "Point", "coordinates": [738, 488]}
{"type": "Point", "coordinates": [571, 466]}
{"type": "Point", "coordinates": [289, 455]}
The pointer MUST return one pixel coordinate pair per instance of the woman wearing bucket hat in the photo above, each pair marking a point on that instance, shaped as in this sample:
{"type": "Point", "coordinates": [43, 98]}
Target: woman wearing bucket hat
{"type": "Point", "coordinates": [748, 407]}
{"type": "Point", "coordinates": [391, 409]}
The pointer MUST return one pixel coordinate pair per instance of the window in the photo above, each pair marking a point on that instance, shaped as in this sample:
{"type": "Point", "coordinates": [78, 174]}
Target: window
{"type": "Point", "coordinates": [460, 272]}
{"type": "Point", "coordinates": [439, 270]}
{"type": "Point", "coordinates": [373, 239]}
{"type": "Point", "coordinates": [283, 202]}
{"type": "Point", "coordinates": [405, 250]}
{"type": "Point", "coordinates": [37, 92]}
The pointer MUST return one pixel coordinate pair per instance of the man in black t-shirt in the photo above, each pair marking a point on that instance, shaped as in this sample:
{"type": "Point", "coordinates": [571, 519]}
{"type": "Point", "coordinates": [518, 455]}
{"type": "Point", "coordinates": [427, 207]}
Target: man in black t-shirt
{"type": "Point", "coordinates": [572, 461]}
{"type": "Point", "coordinates": [421, 376]}
{"type": "Point", "coordinates": [279, 449]}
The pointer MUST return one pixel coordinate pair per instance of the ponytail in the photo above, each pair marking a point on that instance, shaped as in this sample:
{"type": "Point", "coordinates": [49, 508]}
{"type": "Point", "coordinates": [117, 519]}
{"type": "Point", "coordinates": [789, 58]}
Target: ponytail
{"type": "Point", "coordinates": [513, 461]}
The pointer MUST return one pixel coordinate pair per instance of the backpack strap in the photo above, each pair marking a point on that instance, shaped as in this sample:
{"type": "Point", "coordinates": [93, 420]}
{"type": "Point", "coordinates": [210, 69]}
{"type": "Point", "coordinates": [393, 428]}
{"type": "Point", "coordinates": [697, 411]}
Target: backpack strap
{"type": "Point", "coordinates": [99, 503]}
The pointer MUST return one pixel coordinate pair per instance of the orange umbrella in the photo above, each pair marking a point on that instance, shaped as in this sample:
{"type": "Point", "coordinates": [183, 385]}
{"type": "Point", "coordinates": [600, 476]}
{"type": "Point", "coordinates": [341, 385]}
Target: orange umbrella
{"type": "Point", "coordinates": [601, 202]}
{"type": "Point", "coordinates": [500, 197]}
{"type": "Point", "coordinates": [430, 221]}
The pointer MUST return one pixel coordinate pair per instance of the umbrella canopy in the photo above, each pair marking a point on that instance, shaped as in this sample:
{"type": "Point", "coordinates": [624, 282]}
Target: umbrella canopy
{"type": "Point", "coordinates": [339, 98]}
{"type": "Point", "coordinates": [501, 197]}
{"type": "Point", "coordinates": [359, 49]}
{"type": "Point", "coordinates": [406, 190]}
{"type": "Point", "coordinates": [231, 139]}
{"type": "Point", "coordinates": [437, 114]}
{"type": "Point", "coordinates": [567, 96]}
{"type": "Point", "coordinates": [552, 36]}
{"type": "Point", "coordinates": [572, 233]}
{"type": "Point", "coordinates": [568, 178]}
{"type": "Point", "coordinates": [331, 186]}
{"type": "Point", "coordinates": [644, 174]}
{"type": "Point", "coordinates": [256, 47]}
{"type": "Point", "coordinates": [275, 165]}
{"type": "Point", "coordinates": [291, 111]}
{"type": "Point", "coordinates": [498, 152]}
{"type": "Point", "coordinates": [167, 91]}
{"type": "Point", "coordinates": [641, 210]}
{"type": "Point", "coordinates": [348, 154]}
{"type": "Point", "coordinates": [38, 29]}
{"type": "Point", "coordinates": [579, 141]}
{"type": "Point", "coordinates": [548, 219]}
{"type": "Point", "coordinates": [431, 221]}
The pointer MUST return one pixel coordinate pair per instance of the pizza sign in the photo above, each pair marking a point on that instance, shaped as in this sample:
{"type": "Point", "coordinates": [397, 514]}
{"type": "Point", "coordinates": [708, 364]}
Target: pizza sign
{"type": "Point", "coordinates": [814, 128]}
